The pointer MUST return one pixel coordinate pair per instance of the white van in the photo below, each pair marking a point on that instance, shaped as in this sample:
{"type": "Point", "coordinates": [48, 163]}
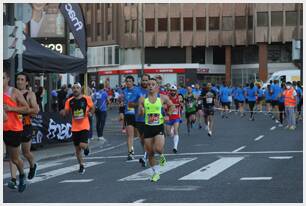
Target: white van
{"type": "Point", "coordinates": [285, 75]}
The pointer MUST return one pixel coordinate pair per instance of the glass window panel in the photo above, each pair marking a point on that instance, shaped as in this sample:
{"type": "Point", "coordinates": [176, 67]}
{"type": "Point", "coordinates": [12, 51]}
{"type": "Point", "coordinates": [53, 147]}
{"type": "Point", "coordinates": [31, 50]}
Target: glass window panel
{"type": "Point", "coordinates": [162, 24]}
{"type": "Point", "coordinates": [149, 25]}
{"type": "Point", "coordinates": [188, 24]}
{"type": "Point", "coordinates": [291, 18]}
{"type": "Point", "coordinates": [262, 18]}
{"type": "Point", "coordinates": [227, 23]}
{"type": "Point", "coordinates": [201, 23]}
{"type": "Point", "coordinates": [175, 24]}
{"type": "Point", "coordinates": [213, 23]}
{"type": "Point", "coordinates": [240, 22]}
{"type": "Point", "coordinates": [276, 18]}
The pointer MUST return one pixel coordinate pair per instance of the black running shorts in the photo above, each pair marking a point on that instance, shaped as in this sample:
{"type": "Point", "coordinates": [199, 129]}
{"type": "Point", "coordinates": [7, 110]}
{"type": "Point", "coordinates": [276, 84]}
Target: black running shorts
{"type": "Point", "coordinates": [27, 133]}
{"type": "Point", "coordinates": [208, 111]}
{"type": "Point", "coordinates": [80, 136]}
{"type": "Point", "coordinates": [274, 103]}
{"type": "Point", "coordinates": [121, 109]}
{"type": "Point", "coordinates": [152, 131]}
{"type": "Point", "coordinates": [129, 119]}
{"type": "Point", "coordinates": [12, 138]}
{"type": "Point", "coordinates": [140, 127]}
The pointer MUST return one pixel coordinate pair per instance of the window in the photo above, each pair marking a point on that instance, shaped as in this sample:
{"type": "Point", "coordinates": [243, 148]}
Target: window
{"type": "Point", "coordinates": [162, 24]}
{"type": "Point", "coordinates": [188, 24]}
{"type": "Point", "coordinates": [110, 55]}
{"type": "Point", "coordinates": [149, 25]}
{"type": "Point", "coordinates": [250, 22]}
{"type": "Point", "coordinates": [117, 55]}
{"type": "Point", "coordinates": [175, 24]}
{"type": "Point", "coordinates": [109, 28]}
{"type": "Point", "coordinates": [213, 23]}
{"type": "Point", "coordinates": [276, 18]}
{"type": "Point", "coordinates": [198, 55]}
{"type": "Point", "coordinates": [127, 26]}
{"type": "Point", "coordinates": [98, 29]}
{"type": "Point", "coordinates": [227, 23]}
{"type": "Point", "coordinates": [201, 23]}
{"type": "Point", "coordinates": [291, 18]}
{"type": "Point", "coordinates": [218, 55]}
{"type": "Point", "coordinates": [240, 22]}
{"type": "Point", "coordinates": [134, 26]}
{"type": "Point", "coordinates": [262, 18]}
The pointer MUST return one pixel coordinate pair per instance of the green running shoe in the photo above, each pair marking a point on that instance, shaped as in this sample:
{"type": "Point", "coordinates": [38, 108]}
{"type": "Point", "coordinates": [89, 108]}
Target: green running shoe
{"type": "Point", "coordinates": [155, 177]}
{"type": "Point", "coordinates": [162, 160]}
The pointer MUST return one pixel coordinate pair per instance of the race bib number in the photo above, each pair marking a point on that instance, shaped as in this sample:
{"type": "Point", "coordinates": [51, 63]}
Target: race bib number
{"type": "Point", "coordinates": [190, 105]}
{"type": "Point", "coordinates": [175, 111]}
{"type": "Point", "coordinates": [209, 100]}
{"type": "Point", "coordinates": [79, 114]}
{"type": "Point", "coordinates": [131, 109]}
{"type": "Point", "coordinates": [153, 119]}
{"type": "Point", "coordinates": [199, 101]}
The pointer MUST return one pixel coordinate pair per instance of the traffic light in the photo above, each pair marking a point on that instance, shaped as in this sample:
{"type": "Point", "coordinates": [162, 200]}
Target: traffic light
{"type": "Point", "coordinates": [20, 37]}
{"type": "Point", "coordinates": [13, 38]}
{"type": "Point", "coordinates": [9, 41]}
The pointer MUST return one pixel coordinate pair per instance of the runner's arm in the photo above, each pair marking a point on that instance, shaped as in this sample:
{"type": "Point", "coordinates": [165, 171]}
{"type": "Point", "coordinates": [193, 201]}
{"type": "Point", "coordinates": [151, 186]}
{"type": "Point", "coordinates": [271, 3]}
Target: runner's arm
{"type": "Point", "coordinates": [169, 103]}
{"type": "Point", "coordinates": [34, 108]}
{"type": "Point", "coordinates": [141, 106]}
{"type": "Point", "coordinates": [22, 107]}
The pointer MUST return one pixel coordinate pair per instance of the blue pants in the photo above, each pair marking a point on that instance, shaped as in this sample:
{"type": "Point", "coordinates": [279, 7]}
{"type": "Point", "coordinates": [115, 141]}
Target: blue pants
{"type": "Point", "coordinates": [101, 118]}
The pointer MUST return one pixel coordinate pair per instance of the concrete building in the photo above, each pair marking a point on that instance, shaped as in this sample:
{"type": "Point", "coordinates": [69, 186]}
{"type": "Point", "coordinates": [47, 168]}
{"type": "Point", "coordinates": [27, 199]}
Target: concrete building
{"type": "Point", "coordinates": [192, 41]}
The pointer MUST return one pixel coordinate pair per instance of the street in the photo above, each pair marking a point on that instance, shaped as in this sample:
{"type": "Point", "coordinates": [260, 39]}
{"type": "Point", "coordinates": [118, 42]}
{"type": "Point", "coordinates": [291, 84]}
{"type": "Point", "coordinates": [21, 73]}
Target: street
{"type": "Point", "coordinates": [243, 162]}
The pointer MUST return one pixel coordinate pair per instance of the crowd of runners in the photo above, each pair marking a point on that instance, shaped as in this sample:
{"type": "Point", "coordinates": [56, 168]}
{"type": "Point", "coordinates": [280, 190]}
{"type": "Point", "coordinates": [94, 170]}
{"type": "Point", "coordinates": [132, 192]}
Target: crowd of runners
{"type": "Point", "coordinates": [149, 111]}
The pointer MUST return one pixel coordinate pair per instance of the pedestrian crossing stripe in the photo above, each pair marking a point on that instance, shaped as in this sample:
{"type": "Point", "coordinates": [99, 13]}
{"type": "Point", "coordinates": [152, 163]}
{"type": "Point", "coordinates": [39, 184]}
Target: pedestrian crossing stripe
{"type": "Point", "coordinates": [61, 171]}
{"type": "Point", "coordinates": [209, 171]}
{"type": "Point", "coordinates": [146, 174]}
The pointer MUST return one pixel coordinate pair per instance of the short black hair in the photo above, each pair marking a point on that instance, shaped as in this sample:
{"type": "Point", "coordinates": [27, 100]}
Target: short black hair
{"type": "Point", "coordinates": [129, 77]}
{"type": "Point", "coordinates": [24, 74]}
{"type": "Point", "coordinates": [153, 79]}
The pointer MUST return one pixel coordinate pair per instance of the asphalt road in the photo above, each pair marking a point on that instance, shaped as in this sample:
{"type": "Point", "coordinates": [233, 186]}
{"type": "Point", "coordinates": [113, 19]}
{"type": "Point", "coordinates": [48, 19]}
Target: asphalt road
{"type": "Point", "coordinates": [244, 162]}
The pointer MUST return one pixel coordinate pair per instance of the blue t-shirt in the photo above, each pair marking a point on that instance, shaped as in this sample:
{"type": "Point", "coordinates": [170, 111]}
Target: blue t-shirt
{"type": "Point", "coordinates": [267, 94]}
{"type": "Point", "coordinates": [251, 94]}
{"type": "Point", "coordinates": [240, 94]}
{"type": "Point", "coordinates": [182, 91]}
{"type": "Point", "coordinates": [260, 92]}
{"type": "Point", "coordinates": [245, 89]}
{"type": "Point", "coordinates": [141, 93]}
{"type": "Point", "coordinates": [299, 94]}
{"type": "Point", "coordinates": [276, 89]}
{"type": "Point", "coordinates": [130, 95]}
{"type": "Point", "coordinates": [196, 92]}
{"type": "Point", "coordinates": [225, 92]}
{"type": "Point", "coordinates": [100, 100]}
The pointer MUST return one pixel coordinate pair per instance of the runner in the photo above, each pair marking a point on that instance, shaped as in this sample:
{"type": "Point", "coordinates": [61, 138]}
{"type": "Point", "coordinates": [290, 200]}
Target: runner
{"type": "Point", "coordinates": [13, 105]}
{"type": "Point", "coordinates": [154, 139]}
{"type": "Point", "coordinates": [173, 124]}
{"type": "Point", "coordinates": [299, 92]}
{"type": "Point", "coordinates": [81, 107]}
{"type": "Point", "coordinates": [267, 96]}
{"type": "Point", "coordinates": [140, 119]}
{"type": "Point", "coordinates": [130, 102]}
{"type": "Point", "coordinates": [209, 97]}
{"type": "Point", "coordinates": [225, 99]}
{"type": "Point", "coordinates": [240, 98]}
{"type": "Point", "coordinates": [190, 108]}
{"type": "Point", "coordinates": [275, 91]}
{"type": "Point", "coordinates": [197, 92]}
{"type": "Point", "coordinates": [260, 98]}
{"type": "Point", "coordinates": [26, 138]}
{"type": "Point", "coordinates": [251, 96]}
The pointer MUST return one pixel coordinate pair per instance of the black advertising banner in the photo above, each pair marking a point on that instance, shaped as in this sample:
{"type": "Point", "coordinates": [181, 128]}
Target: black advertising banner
{"type": "Point", "coordinates": [51, 127]}
{"type": "Point", "coordinates": [74, 16]}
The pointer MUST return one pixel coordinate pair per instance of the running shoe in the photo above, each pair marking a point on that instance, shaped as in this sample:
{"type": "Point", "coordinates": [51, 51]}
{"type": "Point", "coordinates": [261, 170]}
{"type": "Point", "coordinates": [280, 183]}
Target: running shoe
{"type": "Point", "coordinates": [32, 172]}
{"type": "Point", "coordinates": [22, 185]}
{"type": "Point", "coordinates": [86, 151]}
{"type": "Point", "coordinates": [82, 169]}
{"type": "Point", "coordinates": [280, 125]}
{"type": "Point", "coordinates": [12, 184]}
{"type": "Point", "coordinates": [130, 156]}
{"type": "Point", "coordinates": [143, 162]}
{"type": "Point", "coordinates": [155, 177]}
{"type": "Point", "coordinates": [292, 128]}
{"type": "Point", "coordinates": [174, 150]}
{"type": "Point", "coordinates": [162, 160]}
{"type": "Point", "coordinates": [276, 121]}
{"type": "Point", "coordinates": [209, 133]}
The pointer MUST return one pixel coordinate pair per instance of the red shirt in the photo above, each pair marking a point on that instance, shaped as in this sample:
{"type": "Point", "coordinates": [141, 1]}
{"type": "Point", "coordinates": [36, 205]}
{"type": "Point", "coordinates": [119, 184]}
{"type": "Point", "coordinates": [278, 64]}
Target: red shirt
{"type": "Point", "coordinates": [176, 113]}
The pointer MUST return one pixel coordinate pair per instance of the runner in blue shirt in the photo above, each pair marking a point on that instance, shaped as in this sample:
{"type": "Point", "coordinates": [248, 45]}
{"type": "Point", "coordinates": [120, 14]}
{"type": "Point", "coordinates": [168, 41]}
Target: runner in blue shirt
{"type": "Point", "coordinates": [225, 94]}
{"type": "Point", "coordinates": [275, 91]}
{"type": "Point", "coordinates": [130, 98]}
{"type": "Point", "coordinates": [299, 90]}
{"type": "Point", "coordinates": [251, 95]}
{"type": "Point", "coordinates": [140, 119]}
{"type": "Point", "coordinates": [240, 98]}
{"type": "Point", "coordinates": [260, 97]}
{"type": "Point", "coordinates": [267, 95]}
{"type": "Point", "coordinates": [100, 99]}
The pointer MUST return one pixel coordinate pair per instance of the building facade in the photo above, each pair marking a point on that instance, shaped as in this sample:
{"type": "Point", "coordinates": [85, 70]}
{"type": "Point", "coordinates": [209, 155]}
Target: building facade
{"type": "Point", "coordinates": [191, 42]}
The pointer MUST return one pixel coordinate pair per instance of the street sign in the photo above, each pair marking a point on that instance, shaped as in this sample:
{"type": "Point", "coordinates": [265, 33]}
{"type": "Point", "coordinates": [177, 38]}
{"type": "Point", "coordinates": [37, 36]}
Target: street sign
{"type": "Point", "coordinates": [23, 12]}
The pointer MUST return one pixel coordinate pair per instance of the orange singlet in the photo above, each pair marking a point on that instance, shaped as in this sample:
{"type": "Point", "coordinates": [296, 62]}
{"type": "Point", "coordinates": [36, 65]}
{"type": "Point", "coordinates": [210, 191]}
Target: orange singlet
{"type": "Point", "coordinates": [14, 122]}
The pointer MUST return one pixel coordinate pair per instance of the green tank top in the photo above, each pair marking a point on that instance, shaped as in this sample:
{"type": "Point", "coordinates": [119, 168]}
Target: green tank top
{"type": "Point", "coordinates": [190, 105]}
{"type": "Point", "coordinates": [153, 112]}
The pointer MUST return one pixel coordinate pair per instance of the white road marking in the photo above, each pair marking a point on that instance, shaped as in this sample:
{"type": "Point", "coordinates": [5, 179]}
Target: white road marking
{"type": "Point", "coordinates": [240, 148]}
{"type": "Point", "coordinates": [134, 160]}
{"type": "Point", "coordinates": [209, 171]}
{"type": "Point", "coordinates": [170, 165]}
{"type": "Point", "coordinates": [140, 201]}
{"type": "Point", "coordinates": [178, 188]}
{"type": "Point", "coordinates": [201, 153]}
{"type": "Point", "coordinates": [40, 167]}
{"type": "Point", "coordinates": [273, 128]}
{"type": "Point", "coordinates": [77, 181]}
{"type": "Point", "coordinates": [62, 171]}
{"type": "Point", "coordinates": [256, 178]}
{"type": "Point", "coordinates": [258, 138]}
{"type": "Point", "coordinates": [281, 157]}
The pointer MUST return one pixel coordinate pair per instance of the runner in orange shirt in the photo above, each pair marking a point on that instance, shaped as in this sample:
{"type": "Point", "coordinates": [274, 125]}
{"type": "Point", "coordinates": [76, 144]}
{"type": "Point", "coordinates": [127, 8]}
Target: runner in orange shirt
{"type": "Point", "coordinates": [14, 104]}
{"type": "Point", "coordinates": [80, 106]}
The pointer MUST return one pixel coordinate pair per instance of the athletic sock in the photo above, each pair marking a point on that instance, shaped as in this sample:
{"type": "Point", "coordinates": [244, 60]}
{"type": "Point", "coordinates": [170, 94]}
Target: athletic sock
{"type": "Point", "coordinates": [155, 169]}
{"type": "Point", "coordinates": [175, 141]}
{"type": "Point", "coordinates": [145, 156]}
